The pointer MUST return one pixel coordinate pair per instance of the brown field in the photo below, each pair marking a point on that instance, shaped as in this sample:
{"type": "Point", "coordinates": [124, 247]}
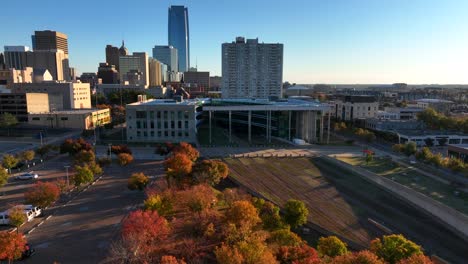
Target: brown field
{"type": "Point", "coordinates": [281, 179]}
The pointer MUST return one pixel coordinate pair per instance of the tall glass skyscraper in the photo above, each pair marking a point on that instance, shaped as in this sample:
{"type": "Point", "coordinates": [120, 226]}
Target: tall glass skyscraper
{"type": "Point", "coordinates": [178, 35]}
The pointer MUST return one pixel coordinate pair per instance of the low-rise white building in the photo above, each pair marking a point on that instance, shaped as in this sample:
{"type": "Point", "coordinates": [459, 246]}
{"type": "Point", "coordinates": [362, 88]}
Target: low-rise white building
{"type": "Point", "coordinates": [79, 119]}
{"type": "Point", "coordinates": [351, 107]}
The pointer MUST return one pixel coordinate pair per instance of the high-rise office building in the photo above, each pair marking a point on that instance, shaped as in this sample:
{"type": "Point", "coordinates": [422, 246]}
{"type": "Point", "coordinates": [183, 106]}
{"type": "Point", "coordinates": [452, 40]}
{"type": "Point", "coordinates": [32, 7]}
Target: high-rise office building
{"type": "Point", "coordinates": [107, 73]}
{"type": "Point", "coordinates": [55, 61]}
{"type": "Point", "coordinates": [15, 57]}
{"type": "Point", "coordinates": [167, 55]}
{"type": "Point", "coordinates": [178, 35]}
{"type": "Point", "coordinates": [251, 69]}
{"type": "Point", "coordinates": [155, 73]}
{"type": "Point", "coordinates": [50, 40]}
{"type": "Point", "coordinates": [136, 63]}
{"type": "Point", "coordinates": [112, 56]}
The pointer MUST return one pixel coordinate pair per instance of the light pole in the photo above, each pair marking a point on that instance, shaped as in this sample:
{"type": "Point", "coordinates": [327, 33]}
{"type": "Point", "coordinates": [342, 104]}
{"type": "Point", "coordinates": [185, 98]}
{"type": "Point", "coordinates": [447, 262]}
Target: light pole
{"type": "Point", "coordinates": [68, 181]}
{"type": "Point", "coordinates": [110, 151]}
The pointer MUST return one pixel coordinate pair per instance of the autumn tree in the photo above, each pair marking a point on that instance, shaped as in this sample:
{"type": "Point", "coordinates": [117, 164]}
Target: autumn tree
{"type": "Point", "coordinates": [361, 257]}
{"type": "Point", "coordinates": [8, 120]}
{"type": "Point", "coordinates": [171, 260]}
{"type": "Point", "coordinates": [9, 161]}
{"type": "Point", "coordinates": [118, 149]}
{"type": "Point", "coordinates": [3, 176]}
{"type": "Point", "coordinates": [27, 156]}
{"type": "Point", "coordinates": [162, 203]}
{"type": "Point", "coordinates": [84, 157]}
{"type": "Point", "coordinates": [416, 259]}
{"type": "Point", "coordinates": [254, 250]}
{"type": "Point", "coordinates": [302, 254]}
{"type": "Point", "coordinates": [285, 237]}
{"type": "Point", "coordinates": [146, 229]}
{"type": "Point", "coordinates": [199, 198]}
{"type": "Point", "coordinates": [393, 248]}
{"type": "Point", "coordinates": [138, 181]}
{"type": "Point", "coordinates": [83, 174]}
{"type": "Point", "coordinates": [226, 254]}
{"type": "Point", "coordinates": [178, 167]}
{"type": "Point", "coordinates": [331, 246]}
{"type": "Point", "coordinates": [210, 171]}
{"type": "Point", "coordinates": [295, 213]}
{"type": "Point", "coordinates": [17, 217]}
{"type": "Point", "coordinates": [243, 214]}
{"type": "Point", "coordinates": [42, 194]}
{"type": "Point", "coordinates": [187, 149]}
{"type": "Point", "coordinates": [410, 148]}
{"type": "Point", "coordinates": [104, 162]}
{"type": "Point", "coordinates": [124, 159]}
{"type": "Point", "coordinates": [12, 245]}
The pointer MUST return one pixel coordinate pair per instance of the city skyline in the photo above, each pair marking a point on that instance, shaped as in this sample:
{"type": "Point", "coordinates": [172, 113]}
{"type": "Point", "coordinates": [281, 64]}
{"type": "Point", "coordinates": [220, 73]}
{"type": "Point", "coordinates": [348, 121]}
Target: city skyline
{"type": "Point", "coordinates": [333, 42]}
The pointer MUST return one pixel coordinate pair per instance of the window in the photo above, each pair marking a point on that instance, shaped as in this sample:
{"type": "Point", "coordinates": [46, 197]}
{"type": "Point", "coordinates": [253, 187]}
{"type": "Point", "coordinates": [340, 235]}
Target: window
{"type": "Point", "coordinates": [165, 125]}
{"type": "Point", "coordinates": [159, 125]}
{"type": "Point", "coordinates": [138, 124]}
{"type": "Point", "coordinates": [36, 118]}
{"type": "Point", "coordinates": [172, 115]}
{"type": "Point", "coordinates": [179, 114]}
{"type": "Point", "coordinates": [64, 118]}
{"type": "Point", "coordinates": [186, 114]}
{"type": "Point", "coordinates": [166, 134]}
{"type": "Point", "coordinates": [152, 124]}
{"type": "Point", "coordinates": [179, 124]}
{"type": "Point", "coordinates": [158, 114]}
{"type": "Point", "coordinates": [152, 114]}
{"type": "Point", "coordinates": [152, 133]}
{"type": "Point", "coordinates": [145, 134]}
{"type": "Point", "coordinates": [138, 134]}
{"type": "Point", "coordinates": [140, 114]}
{"type": "Point", "coordinates": [172, 124]}
{"type": "Point", "coordinates": [165, 114]}
{"type": "Point", "coordinates": [173, 133]}
{"type": "Point", "coordinates": [186, 124]}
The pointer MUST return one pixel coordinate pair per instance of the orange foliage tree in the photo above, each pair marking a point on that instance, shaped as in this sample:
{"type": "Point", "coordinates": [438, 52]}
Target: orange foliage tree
{"type": "Point", "coordinates": [243, 214]}
{"type": "Point", "coordinates": [416, 259]}
{"type": "Point", "coordinates": [178, 167]}
{"type": "Point", "coordinates": [187, 149]}
{"type": "Point", "coordinates": [137, 181]}
{"type": "Point", "coordinates": [364, 256]}
{"type": "Point", "coordinates": [12, 245]}
{"type": "Point", "coordinates": [171, 260]}
{"type": "Point", "coordinates": [124, 159]}
{"type": "Point", "coordinates": [42, 194]}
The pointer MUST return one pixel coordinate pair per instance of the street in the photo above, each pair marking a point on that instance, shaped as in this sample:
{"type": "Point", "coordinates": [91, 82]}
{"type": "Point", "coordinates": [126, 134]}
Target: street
{"type": "Point", "coordinates": [81, 230]}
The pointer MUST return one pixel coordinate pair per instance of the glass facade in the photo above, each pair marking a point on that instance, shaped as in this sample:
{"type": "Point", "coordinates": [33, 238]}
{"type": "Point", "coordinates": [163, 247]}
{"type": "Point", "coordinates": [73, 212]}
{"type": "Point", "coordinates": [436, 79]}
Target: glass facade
{"type": "Point", "coordinates": [178, 35]}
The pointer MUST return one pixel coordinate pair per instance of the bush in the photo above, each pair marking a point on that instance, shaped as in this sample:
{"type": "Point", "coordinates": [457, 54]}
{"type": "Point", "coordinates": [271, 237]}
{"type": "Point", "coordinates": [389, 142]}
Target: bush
{"type": "Point", "coordinates": [124, 159]}
{"type": "Point", "coordinates": [138, 181]}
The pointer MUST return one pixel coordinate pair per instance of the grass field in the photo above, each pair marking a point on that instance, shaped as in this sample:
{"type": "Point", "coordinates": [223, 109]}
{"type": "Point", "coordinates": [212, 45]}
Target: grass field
{"type": "Point", "coordinates": [441, 192]}
{"type": "Point", "coordinates": [281, 179]}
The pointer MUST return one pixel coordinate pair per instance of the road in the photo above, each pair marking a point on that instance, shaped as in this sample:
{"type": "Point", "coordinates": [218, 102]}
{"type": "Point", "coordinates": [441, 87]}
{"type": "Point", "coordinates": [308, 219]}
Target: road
{"type": "Point", "coordinates": [82, 230]}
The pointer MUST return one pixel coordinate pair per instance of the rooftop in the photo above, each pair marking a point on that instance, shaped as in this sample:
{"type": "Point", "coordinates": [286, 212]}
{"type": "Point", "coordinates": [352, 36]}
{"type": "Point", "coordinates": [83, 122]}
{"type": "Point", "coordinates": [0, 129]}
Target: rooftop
{"type": "Point", "coordinates": [433, 101]}
{"type": "Point", "coordinates": [461, 146]}
{"type": "Point", "coordinates": [195, 101]}
{"type": "Point", "coordinates": [70, 112]}
{"type": "Point", "coordinates": [422, 133]}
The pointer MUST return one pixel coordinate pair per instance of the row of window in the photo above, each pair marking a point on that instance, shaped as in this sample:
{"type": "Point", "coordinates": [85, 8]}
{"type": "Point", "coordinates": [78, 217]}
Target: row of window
{"type": "Point", "coordinates": [159, 124]}
{"type": "Point", "coordinates": [49, 118]}
{"type": "Point", "coordinates": [163, 114]}
{"type": "Point", "coordinates": [162, 134]}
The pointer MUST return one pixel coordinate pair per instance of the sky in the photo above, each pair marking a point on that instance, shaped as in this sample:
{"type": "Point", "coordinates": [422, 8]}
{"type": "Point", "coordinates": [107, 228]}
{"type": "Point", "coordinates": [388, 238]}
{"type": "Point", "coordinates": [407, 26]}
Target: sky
{"type": "Point", "coordinates": [325, 41]}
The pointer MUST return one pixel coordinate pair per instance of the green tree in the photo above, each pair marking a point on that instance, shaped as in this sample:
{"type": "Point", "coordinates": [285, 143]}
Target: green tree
{"type": "Point", "coordinates": [393, 248]}
{"type": "Point", "coordinates": [285, 237]}
{"type": "Point", "coordinates": [331, 246]}
{"type": "Point", "coordinates": [8, 120]}
{"type": "Point", "coordinates": [296, 213]}
{"type": "Point", "coordinates": [44, 150]}
{"type": "Point", "coordinates": [17, 217]}
{"type": "Point", "coordinates": [210, 171]}
{"type": "Point", "coordinates": [83, 175]}
{"type": "Point", "coordinates": [161, 203]}
{"type": "Point", "coordinates": [9, 161]}
{"type": "Point", "coordinates": [27, 156]}
{"type": "Point", "coordinates": [84, 157]}
{"type": "Point", "coordinates": [410, 148]}
{"type": "Point", "coordinates": [3, 176]}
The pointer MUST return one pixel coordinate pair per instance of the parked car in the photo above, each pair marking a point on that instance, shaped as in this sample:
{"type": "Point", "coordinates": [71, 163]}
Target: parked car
{"type": "Point", "coordinates": [36, 211]}
{"type": "Point", "coordinates": [4, 218]}
{"type": "Point", "coordinates": [27, 176]}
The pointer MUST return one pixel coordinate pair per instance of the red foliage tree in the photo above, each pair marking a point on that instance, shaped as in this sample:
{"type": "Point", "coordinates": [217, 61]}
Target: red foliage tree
{"type": "Point", "coordinates": [302, 254]}
{"type": "Point", "coordinates": [187, 149]}
{"type": "Point", "coordinates": [42, 194]}
{"type": "Point", "coordinates": [171, 260]}
{"type": "Point", "coordinates": [72, 146]}
{"type": "Point", "coordinates": [12, 245]}
{"type": "Point", "coordinates": [146, 229]}
{"type": "Point", "coordinates": [118, 149]}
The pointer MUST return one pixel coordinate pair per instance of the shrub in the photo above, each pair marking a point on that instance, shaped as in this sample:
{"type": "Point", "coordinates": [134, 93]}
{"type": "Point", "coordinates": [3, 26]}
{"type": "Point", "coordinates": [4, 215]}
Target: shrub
{"type": "Point", "coordinates": [124, 159]}
{"type": "Point", "coordinates": [138, 181]}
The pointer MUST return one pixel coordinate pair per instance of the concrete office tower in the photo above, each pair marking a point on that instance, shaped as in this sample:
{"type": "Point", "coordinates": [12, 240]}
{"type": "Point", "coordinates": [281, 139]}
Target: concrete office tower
{"type": "Point", "coordinates": [112, 56]}
{"type": "Point", "coordinates": [167, 55]}
{"type": "Point", "coordinates": [164, 73]}
{"type": "Point", "coordinates": [155, 76]}
{"type": "Point", "coordinates": [15, 57]}
{"type": "Point", "coordinates": [53, 60]}
{"type": "Point", "coordinates": [251, 69]}
{"type": "Point", "coordinates": [72, 73]}
{"type": "Point", "coordinates": [50, 40]}
{"type": "Point", "coordinates": [178, 35]}
{"type": "Point", "coordinates": [138, 62]}
{"type": "Point", "coordinates": [2, 62]}
{"type": "Point", "coordinates": [107, 73]}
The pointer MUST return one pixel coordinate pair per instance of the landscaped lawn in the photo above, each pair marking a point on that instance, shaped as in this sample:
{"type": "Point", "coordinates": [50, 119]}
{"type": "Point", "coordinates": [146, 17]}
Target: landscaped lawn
{"type": "Point", "coordinates": [443, 193]}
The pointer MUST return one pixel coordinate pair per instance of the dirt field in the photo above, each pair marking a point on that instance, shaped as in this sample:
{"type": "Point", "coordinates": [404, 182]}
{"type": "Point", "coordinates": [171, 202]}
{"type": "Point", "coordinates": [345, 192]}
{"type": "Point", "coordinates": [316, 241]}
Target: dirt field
{"type": "Point", "coordinates": [342, 203]}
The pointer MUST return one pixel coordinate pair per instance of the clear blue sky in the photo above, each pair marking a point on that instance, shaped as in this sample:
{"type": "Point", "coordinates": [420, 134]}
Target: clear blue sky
{"type": "Point", "coordinates": [325, 41]}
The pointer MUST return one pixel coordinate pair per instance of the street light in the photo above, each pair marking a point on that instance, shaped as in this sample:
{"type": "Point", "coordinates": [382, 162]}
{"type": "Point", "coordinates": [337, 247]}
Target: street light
{"type": "Point", "coordinates": [110, 151]}
{"type": "Point", "coordinates": [68, 181]}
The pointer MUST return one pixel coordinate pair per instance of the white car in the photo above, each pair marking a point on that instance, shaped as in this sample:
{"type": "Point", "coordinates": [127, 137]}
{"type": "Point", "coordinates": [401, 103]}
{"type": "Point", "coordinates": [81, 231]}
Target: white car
{"type": "Point", "coordinates": [36, 211]}
{"type": "Point", "coordinates": [27, 176]}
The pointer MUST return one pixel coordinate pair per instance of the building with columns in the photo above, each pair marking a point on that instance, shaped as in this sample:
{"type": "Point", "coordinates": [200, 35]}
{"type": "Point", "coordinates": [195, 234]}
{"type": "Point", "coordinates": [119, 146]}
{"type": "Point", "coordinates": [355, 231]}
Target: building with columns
{"type": "Point", "coordinates": [179, 120]}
